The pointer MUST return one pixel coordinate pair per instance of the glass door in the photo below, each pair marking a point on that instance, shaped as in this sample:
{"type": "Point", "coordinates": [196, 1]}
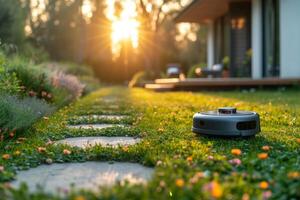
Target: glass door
{"type": "Point", "coordinates": [271, 52]}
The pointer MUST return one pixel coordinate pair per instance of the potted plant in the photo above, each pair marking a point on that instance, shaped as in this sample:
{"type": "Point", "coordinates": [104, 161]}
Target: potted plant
{"type": "Point", "coordinates": [225, 62]}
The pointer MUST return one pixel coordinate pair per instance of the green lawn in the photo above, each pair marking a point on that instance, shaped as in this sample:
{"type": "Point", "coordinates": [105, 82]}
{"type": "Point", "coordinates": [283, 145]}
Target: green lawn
{"type": "Point", "coordinates": [187, 166]}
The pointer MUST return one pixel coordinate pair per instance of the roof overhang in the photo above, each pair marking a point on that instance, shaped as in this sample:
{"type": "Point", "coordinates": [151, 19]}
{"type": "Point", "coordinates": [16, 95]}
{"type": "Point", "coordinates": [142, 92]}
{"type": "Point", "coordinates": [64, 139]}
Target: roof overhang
{"type": "Point", "coordinates": [201, 11]}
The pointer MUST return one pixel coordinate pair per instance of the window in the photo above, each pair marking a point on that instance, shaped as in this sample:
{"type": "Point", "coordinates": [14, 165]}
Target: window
{"type": "Point", "coordinates": [271, 38]}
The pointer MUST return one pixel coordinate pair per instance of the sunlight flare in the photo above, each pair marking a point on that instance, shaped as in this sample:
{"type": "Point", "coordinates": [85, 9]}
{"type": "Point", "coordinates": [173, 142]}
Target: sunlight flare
{"type": "Point", "coordinates": [125, 26]}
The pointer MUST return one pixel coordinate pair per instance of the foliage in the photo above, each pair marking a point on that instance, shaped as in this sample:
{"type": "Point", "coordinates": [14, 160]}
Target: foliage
{"type": "Point", "coordinates": [12, 20]}
{"type": "Point", "coordinates": [19, 114]}
{"type": "Point", "coordinates": [187, 166]}
{"type": "Point", "coordinates": [8, 82]}
{"type": "Point", "coordinates": [226, 62]}
{"type": "Point", "coordinates": [35, 80]}
{"type": "Point", "coordinates": [83, 73]}
{"type": "Point", "coordinates": [69, 83]}
{"type": "Point", "coordinates": [192, 71]}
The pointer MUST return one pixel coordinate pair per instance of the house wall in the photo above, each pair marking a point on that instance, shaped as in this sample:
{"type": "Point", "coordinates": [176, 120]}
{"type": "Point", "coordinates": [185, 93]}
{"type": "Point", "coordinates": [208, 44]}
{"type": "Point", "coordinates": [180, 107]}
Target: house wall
{"type": "Point", "coordinates": [289, 38]}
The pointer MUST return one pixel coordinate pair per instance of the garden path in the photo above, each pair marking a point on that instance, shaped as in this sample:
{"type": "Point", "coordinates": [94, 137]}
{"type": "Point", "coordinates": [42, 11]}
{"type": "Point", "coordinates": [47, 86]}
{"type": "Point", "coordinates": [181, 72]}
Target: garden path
{"type": "Point", "coordinates": [64, 177]}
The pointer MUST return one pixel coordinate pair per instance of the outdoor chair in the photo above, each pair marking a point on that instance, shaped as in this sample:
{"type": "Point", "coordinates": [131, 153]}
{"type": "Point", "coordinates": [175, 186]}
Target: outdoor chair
{"type": "Point", "coordinates": [215, 71]}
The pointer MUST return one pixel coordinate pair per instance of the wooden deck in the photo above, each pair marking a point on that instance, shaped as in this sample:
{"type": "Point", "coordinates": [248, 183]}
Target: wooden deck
{"type": "Point", "coordinates": [219, 83]}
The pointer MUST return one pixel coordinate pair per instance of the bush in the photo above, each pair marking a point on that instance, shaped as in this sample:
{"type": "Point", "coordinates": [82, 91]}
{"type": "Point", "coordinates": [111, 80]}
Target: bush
{"type": "Point", "coordinates": [68, 83]}
{"type": "Point", "coordinates": [33, 79]}
{"type": "Point", "coordinates": [192, 71]}
{"type": "Point", "coordinates": [83, 73]}
{"type": "Point", "coordinates": [19, 114]}
{"type": "Point", "coordinates": [8, 82]}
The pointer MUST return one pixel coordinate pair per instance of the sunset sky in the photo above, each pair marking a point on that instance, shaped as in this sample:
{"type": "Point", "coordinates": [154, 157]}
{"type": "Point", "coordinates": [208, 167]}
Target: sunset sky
{"type": "Point", "coordinates": [125, 27]}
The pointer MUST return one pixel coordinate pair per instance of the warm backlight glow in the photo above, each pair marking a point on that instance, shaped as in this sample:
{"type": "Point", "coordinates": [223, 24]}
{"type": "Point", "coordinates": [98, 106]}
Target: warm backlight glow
{"type": "Point", "coordinates": [125, 26]}
{"type": "Point", "coordinates": [86, 9]}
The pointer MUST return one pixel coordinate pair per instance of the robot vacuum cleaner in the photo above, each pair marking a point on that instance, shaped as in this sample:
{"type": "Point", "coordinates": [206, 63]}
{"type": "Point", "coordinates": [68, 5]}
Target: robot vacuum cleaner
{"type": "Point", "coordinates": [226, 121]}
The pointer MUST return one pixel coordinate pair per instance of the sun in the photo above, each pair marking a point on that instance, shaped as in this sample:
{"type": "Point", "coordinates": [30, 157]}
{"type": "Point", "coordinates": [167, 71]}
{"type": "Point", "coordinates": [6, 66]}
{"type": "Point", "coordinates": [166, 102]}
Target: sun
{"type": "Point", "coordinates": [125, 27]}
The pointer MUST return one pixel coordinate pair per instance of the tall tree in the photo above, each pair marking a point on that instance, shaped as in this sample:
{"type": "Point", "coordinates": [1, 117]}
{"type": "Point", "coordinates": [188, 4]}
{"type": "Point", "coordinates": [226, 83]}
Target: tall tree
{"type": "Point", "coordinates": [12, 20]}
{"type": "Point", "coordinates": [155, 17]}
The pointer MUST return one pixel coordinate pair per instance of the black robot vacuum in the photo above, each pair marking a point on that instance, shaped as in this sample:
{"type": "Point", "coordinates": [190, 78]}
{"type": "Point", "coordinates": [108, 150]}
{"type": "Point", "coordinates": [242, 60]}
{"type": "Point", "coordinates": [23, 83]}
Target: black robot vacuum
{"type": "Point", "coordinates": [226, 121]}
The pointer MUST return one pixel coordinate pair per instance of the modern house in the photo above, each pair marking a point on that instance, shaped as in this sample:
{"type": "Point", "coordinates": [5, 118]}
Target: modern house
{"type": "Point", "coordinates": [261, 37]}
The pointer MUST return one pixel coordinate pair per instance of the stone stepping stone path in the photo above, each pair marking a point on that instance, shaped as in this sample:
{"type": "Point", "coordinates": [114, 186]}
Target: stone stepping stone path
{"type": "Point", "coordinates": [88, 175]}
{"type": "Point", "coordinates": [95, 126]}
{"type": "Point", "coordinates": [85, 142]}
{"type": "Point", "coordinates": [107, 117]}
{"type": "Point", "coordinates": [109, 99]}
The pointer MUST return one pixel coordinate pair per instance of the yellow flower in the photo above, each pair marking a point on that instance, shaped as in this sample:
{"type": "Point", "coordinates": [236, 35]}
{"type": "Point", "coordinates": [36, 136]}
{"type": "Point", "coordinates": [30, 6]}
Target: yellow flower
{"type": "Point", "coordinates": [179, 182]}
{"type": "Point", "coordinates": [125, 148]}
{"type": "Point", "coordinates": [5, 156]}
{"type": "Point", "coordinates": [265, 148]}
{"type": "Point", "coordinates": [216, 190]}
{"type": "Point", "coordinates": [161, 129]}
{"type": "Point", "coordinates": [17, 153]}
{"type": "Point", "coordinates": [262, 156]}
{"type": "Point", "coordinates": [263, 185]}
{"type": "Point", "coordinates": [67, 152]}
{"type": "Point", "coordinates": [236, 152]}
{"type": "Point", "coordinates": [293, 175]}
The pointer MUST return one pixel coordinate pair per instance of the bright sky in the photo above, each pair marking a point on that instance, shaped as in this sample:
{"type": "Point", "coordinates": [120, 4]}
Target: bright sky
{"type": "Point", "coordinates": [124, 28]}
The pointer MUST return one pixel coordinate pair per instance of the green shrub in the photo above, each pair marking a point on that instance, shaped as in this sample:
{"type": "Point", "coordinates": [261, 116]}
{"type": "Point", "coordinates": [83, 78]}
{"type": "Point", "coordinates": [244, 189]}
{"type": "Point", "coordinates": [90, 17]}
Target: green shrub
{"type": "Point", "coordinates": [192, 71]}
{"type": "Point", "coordinates": [84, 74]}
{"type": "Point", "coordinates": [31, 77]}
{"type": "Point", "coordinates": [8, 82]}
{"type": "Point", "coordinates": [19, 114]}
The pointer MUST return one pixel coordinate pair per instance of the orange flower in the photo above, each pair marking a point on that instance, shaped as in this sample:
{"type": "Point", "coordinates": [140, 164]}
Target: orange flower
{"type": "Point", "coordinates": [5, 156]}
{"type": "Point", "coordinates": [17, 153]}
{"type": "Point", "coordinates": [263, 185]}
{"type": "Point", "coordinates": [298, 140]}
{"type": "Point", "coordinates": [200, 174]}
{"type": "Point", "coordinates": [44, 94]}
{"type": "Point", "coordinates": [41, 149]}
{"type": "Point", "coordinates": [189, 159]}
{"type": "Point", "coordinates": [67, 152]}
{"type": "Point", "coordinates": [245, 197]}
{"type": "Point", "coordinates": [216, 190]}
{"type": "Point", "coordinates": [262, 156]}
{"type": "Point", "coordinates": [80, 198]}
{"type": "Point", "coordinates": [125, 148]}
{"type": "Point", "coordinates": [293, 175]}
{"type": "Point", "coordinates": [11, 134]}
{"type": "Point", "coordinates": [179, 182]}
{"type": "Point", "coordinates": [265, 148]}
{"type": "Point", "coordinates": [236, 152]}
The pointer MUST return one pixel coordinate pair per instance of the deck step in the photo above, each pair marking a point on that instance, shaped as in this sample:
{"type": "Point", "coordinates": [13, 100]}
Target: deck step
{"type": "Point", "coordinates": [219, 83]}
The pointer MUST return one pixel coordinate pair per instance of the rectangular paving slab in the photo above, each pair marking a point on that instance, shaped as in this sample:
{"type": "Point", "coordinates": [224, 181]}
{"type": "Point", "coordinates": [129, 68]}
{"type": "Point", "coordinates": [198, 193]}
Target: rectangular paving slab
{"type": "Point", "coordinates": [107, 117]}
{"type": "Point", "coordinates": [95, 126]}
{"type": "Point", "coordinates": [88, 175]}
{"type": "Point", "coordinates": [85, 142]}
